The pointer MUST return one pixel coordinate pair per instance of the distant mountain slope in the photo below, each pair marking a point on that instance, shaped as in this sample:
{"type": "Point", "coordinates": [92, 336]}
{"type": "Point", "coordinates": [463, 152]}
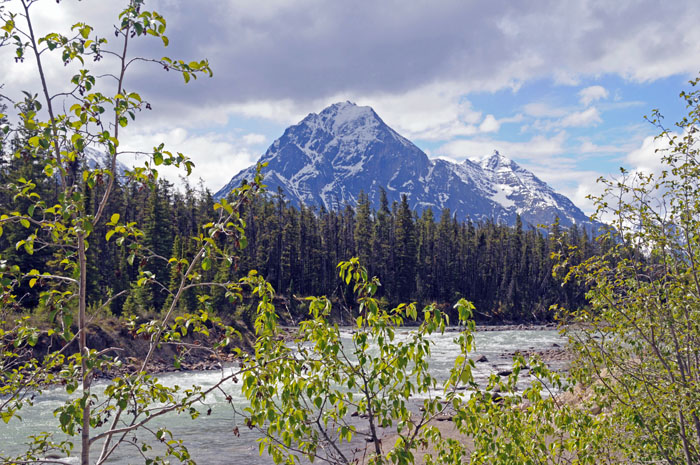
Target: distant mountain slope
{"type": "Point", "coordinates": [97, 159]}
{"type": "Point", "coordinates": [329, 157]}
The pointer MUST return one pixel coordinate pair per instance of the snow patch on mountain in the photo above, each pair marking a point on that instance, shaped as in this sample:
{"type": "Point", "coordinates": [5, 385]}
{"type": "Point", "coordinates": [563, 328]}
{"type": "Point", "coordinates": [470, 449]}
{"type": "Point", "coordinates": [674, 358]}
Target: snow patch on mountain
{"type": "Point", "coordinates": [95, 159]}
{"type": "Point", "coordinates": [501, 195]}
{"type": "Point", "coordinates": [328, 158]}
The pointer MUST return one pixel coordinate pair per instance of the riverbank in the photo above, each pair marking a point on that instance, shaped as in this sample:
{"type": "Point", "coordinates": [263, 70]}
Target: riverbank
{"type": "Point", "coordinates": [113, 335]}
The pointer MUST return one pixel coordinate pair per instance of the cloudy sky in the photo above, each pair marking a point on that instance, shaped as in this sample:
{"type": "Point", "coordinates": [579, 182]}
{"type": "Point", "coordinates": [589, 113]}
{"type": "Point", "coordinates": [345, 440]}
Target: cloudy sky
{"type": "Point", "coordinates": [559, 86]}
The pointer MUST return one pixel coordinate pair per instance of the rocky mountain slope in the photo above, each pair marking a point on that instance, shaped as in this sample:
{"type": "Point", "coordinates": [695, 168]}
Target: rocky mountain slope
{"type": "Point", "coordinates": [329, 157]}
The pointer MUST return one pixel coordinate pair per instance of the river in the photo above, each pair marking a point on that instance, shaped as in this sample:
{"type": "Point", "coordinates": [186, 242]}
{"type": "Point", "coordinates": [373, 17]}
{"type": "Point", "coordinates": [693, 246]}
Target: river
{"type": "Point", "coordinates": [211, 438]}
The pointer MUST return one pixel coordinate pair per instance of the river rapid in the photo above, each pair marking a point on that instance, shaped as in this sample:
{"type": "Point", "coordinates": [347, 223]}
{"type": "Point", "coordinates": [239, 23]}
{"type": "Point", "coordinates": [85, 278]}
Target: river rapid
{"type": "Point", "coordinates": [211, 439]}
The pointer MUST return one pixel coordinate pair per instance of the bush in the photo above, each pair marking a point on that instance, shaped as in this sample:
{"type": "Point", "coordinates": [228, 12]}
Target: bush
{"type": "Point", "coordinates": [639, 340]}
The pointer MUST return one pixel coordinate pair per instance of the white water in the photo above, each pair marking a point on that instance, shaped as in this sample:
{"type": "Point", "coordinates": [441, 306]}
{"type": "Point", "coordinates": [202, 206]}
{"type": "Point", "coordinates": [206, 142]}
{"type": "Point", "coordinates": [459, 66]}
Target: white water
{"type": "Point", "coordinates": [211, 440]}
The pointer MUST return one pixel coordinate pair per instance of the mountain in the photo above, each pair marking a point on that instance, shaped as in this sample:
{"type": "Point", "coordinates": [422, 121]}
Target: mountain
{"type": "Point", "coordinates": [97, 159]}
{"type": "Point", "coordinates": [329, 157]}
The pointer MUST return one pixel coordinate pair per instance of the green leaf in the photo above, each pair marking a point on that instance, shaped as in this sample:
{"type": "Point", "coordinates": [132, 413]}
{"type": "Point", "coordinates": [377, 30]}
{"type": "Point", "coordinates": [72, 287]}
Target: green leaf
{"type": "Point", "coordinates": [206, 264]}
{"type": "Point", "coordinates": [67, 319]}
{"type": "Point", "coordinates": [77, 141]}
{"type": "Point", "coordinates": [64, 418]}
{"type": "Point", "coordinates": [114, 218]}
{"type": "Point", "coordinates": [8, 26]}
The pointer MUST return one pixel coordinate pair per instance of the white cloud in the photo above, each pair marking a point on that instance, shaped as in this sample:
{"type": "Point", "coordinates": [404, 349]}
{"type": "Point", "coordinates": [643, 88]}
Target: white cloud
{"type": "Point", "coordinates": [433, 112]}
{"type": "Point", "coordinates": [543, 110]}
{"type": "Point", "coordinates": [647, 157]}
{"type": "Point", "coordinates": [254, 139]}
{"type": "Point", "coordinates": [592, 94]}
{"type": "Point", "coordinates": [490, 124]}
{"type": "Point", "coordinates": [587, 146]}
{"type": "Point", "coordinates": [586, 186]}
{"type": "Point", "coordinates": [567, 77]}
{"type": "Point", "coordinates": [539, 149]}
{"type": "Point", "coordinates": [587, 117]}
{"type": "Point", "coordinates": [653, 49]}
{"type": "Point", "coordinates": [284, 111]}
{"type": "Point", "coordinates": [307, 51]}
{"type": "Point", "coordinates": [517, 118]}
{"type": "Point", "coordinates": [554, 117]}
{"type": "Point", "coordinates": [216, 157]}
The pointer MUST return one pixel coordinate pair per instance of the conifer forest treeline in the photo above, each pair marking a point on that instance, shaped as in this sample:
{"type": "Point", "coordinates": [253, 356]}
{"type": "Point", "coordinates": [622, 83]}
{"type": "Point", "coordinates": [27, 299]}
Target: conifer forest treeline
{"type": "Point", "coordinates": [428, 257]}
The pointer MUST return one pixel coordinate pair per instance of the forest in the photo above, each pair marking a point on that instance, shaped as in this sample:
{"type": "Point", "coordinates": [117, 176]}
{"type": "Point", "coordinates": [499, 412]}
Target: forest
{"type": "Point", "coordinates": [426, 257]}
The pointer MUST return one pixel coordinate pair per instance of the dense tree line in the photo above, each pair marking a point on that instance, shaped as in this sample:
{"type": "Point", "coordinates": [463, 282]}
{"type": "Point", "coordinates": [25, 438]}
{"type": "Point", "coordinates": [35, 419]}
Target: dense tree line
{"type": "Point", "coordinates": [505, 271]}
{"type": "Point", "coordinates": [431, 256]}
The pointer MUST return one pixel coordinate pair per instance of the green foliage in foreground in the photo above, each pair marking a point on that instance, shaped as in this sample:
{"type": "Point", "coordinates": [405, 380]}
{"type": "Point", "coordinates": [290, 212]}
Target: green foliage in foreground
{"type": "Point", "coordinates": [60, 209]}
{"type": "Point", "coordinates": [302, 396]}
{"type": "Point", "coordinates": [336, 401]}
{"type": "Point", "coordinates": [639, 342]}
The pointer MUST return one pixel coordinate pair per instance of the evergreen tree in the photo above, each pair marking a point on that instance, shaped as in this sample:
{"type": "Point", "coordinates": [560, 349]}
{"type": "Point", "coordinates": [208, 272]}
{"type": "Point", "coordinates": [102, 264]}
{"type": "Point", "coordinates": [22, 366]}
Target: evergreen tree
{"type": "Point", "coordinates": [159, 241]}
{"type": "Point", "coordinates": [363, 231]}
{"type": "Point", "coordinates": [381, 244]}
{"type": "Point", "coordinates": [20, 169]}
{"type": "Point", "coordinates": [405, 251]}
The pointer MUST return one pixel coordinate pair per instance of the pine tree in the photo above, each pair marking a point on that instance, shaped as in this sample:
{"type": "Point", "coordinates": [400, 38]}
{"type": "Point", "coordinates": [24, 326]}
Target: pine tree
{"type": "Point", "coordinates": [444, 256]}
{"type": "Point", "coordinates": [381, 245]}
{"type": "Point", "coordinates": [363, 231]}
{"type": "Point", "coordinates": [18, 164]}
{"type": "Point", "coordinates": [427, 259]}
{"type": "Point", "coordinates": [290, 239]}
{"type": "Point", "coordinates": [405, 251]}
{"type": "Point", "coordinates": [159, 240]}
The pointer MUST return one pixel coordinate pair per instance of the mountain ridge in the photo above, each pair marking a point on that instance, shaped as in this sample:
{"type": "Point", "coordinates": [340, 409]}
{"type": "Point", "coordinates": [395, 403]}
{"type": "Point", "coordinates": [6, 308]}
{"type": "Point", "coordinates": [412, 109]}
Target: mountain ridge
{"type": "Point", "coordinates": [329, 157]}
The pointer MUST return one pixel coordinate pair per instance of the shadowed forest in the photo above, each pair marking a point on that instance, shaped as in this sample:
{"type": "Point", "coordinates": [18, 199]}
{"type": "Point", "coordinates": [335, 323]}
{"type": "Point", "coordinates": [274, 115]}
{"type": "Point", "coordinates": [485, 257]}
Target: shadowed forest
{"type": "Point", "coordinates": [428, 257]}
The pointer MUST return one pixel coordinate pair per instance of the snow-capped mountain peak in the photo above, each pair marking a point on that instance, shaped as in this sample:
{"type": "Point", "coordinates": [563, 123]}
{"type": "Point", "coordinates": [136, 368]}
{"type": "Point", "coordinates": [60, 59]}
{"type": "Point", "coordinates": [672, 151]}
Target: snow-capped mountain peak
{"type": "Point", "coordinates": [497, 161]}
{"type": "Point", "coordinates": [329, 157]}
{"type": "Point", "coordinates": [347, 118]}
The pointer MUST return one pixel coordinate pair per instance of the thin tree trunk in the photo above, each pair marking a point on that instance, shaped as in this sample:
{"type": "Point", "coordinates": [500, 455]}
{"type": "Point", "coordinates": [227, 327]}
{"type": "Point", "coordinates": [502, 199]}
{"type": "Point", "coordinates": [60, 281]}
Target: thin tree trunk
{"type": "Point", "coordinates": [82, 341]}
